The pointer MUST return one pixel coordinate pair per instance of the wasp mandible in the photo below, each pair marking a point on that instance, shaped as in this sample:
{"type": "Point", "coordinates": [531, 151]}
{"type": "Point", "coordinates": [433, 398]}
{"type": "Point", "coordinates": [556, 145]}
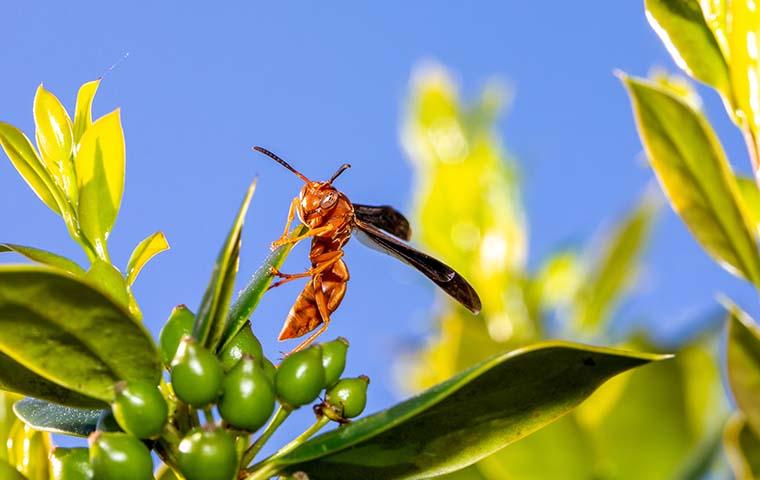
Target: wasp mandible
{"type": "Point", "coordinates": [331, 218]}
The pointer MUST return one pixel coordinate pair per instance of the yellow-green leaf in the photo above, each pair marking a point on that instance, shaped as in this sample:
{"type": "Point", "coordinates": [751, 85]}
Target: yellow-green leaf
{"type": "Point", "coordinates": [44, 257]}
{"type": "Point", "coordinates": [743, 363]}
{"type": "Point", "coordinates": [716, 13]}
{"type": "Point", "coordinates": [751, 197]}
{"type": "Point", "coordinates": [689, 40]}
{"type": "Point", "coordinates": [744, 44]}
{"type": "Point", "coordinates": [100, 164]}
{"type": "Point", "coordinates": [742, 447]}
{"type": "Point", "coordinates": [55, 141]}
{"type": "Point", "coordinates": [28, 450]}
{"type": "Point", "coordinates": [694, 173]}
{"type": "Point", "coordinates": [143, 252]}
{"type": "Point", "coordinates": [23, 156]}
{"type": "Point", "coordinates": [83, 112]}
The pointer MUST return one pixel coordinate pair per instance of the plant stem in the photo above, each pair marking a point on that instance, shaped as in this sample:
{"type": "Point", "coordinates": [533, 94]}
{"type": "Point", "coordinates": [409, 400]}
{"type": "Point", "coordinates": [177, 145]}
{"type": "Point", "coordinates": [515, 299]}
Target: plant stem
{"type": "Point", "coordinates": [279, 417]}
{"type": "Point", "coordinates": [209, 415]}
{"type": "Point", "coordinates": [266, 468]}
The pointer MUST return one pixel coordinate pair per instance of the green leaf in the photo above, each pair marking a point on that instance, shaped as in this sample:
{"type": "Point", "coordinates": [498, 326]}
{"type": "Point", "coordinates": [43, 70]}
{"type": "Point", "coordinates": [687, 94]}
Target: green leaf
{"type": "Point", "coordinates": [250, 296]}
{"type": "Point", "coordinates": [8, 472]}
{"type": "Point", "coordinates": [689, 40]}
{"type": "Point", "coordinates": [17, 378]}
{"type": "Point", "coordinates": [464, 419]}
{"type": "Point", "coordinates": [100, 164]}
{"type": "Point", "coordinates": [750, 196]}
{"type": "Point", "coordinates": [23, 156]}
{"type": "Point", "coordinates": [615, 268]}
{"type": "Point", "coordinates": [108, 279]}
{"type": "Point", "coordinates": [29, 450]}
{"type": "Point", "coordinates": [693, 171]}
{"type": "Point", "coordinates": [7, 420]}
{"type": "Point", "coordinates": [83, 112]}
{"type": "Point", "coordinates": [51, 417]}
{"type": "Point", "coordinates": [212, 314]}
{"type": "Point", "coordinates": [70, 333]}
{"type": "Point", "coordinates": [743, 30]}
{"type": "Point", "coordinates": [44, 257]}
{"type": "Point", "coordinates": [143, 252]}
{"type": "Point", "coordinates": [743, 363]}
{"type": "Point", "coordinates": [55, 141]}
{"type": "Point", "coordinates": [742, 446]}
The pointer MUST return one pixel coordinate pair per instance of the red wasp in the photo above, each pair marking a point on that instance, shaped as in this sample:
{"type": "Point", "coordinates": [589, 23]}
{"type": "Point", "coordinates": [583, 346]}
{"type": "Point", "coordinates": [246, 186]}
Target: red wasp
{"type": "Point", "coordinates": [332, 218]}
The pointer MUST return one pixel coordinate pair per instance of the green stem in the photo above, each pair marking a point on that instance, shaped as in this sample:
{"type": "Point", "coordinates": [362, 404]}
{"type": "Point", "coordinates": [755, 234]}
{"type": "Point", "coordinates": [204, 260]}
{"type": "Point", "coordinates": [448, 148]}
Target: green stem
{"type": "Point", "coordinates": [279, 417]}
{"type": "Point", "coordinates": [266, 468]}
{"type": "Point", "coordinates": [209, 415]}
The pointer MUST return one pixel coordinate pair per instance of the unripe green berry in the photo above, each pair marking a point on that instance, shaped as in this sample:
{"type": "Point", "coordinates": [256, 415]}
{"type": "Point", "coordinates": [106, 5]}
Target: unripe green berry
{"type": "Point", "coordinates": [244, 343]}
{"type": "Point", "coordinates": [300, 377]}
{"type": "Point", "coordinates": [208, 455]}
{"type": "Point", "coordinates": [247, 396]}
{"type": "Point", "coordinates": [349, 396]}
{"type": "Point", "coordinates": [140, 409]}
{"type": "Point", "coordinates": [119, 456]}
{"type": "Point", "coordinates": [196, 374]}
{"type": "Point", "coordinates": [269, 370]}
{"type": "Point", "coordinates": [70, 464]}
{"type": "Point", "coordinates": [179, 324]}
{"type": "Point", "coordinates": [107, 422]}
{"type": "Point", "coordinates": [334, 359]}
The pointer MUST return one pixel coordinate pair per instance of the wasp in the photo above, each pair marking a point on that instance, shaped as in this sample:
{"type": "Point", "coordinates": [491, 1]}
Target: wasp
{"type": "Point", "coordinates": [331, 219]}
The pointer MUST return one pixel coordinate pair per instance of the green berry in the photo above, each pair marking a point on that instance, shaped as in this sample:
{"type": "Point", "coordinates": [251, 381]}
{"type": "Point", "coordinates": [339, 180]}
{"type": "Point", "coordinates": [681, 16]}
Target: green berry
{"type": "Point", "coordinates": [196, 374]}
{"type": "Point", "coordinates": [247, 396]}
{"type": "Point", "coordinates": [208, 455]}
{"type": "Point", "coordinates": [334, 359]}
{"type": "Point", "coordinates": [107, 422]}
{"type": "Point", "coordinates": [180, 324]}
{"type": "Point", "coordinates": [70, 464]}
{"type": "Point", "coordinates": [349, 396]}
{"type": "Point", "coordinates": [244, 343]}
{"type": "Point", "coordinates": [269, 369]}
{"type": "Point", "coordinates": [119, 456]}
{"type": "Point", "coordinates": [140, 409]}
{"type": "Point", "coordinates": [300, 377]}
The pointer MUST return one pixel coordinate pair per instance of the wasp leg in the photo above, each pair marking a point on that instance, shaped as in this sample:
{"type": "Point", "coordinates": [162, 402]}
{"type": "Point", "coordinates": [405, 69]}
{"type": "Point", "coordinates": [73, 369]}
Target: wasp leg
{"type": "Point", "coordinates": [319, 296]}
{"type": "Point", "coordinates": [314, 231]}
{"type": "Point", "coordinates": [323, 262]}
{"type": "Point", "coordinates": [291, 216]}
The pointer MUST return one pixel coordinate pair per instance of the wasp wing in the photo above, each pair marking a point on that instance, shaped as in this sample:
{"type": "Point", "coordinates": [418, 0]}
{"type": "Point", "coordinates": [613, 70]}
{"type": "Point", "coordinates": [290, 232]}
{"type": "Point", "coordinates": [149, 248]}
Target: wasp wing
{"type": "Point", "coordinates": [441, 274]}
{"type": "Point", "coordinates": [385, 218]}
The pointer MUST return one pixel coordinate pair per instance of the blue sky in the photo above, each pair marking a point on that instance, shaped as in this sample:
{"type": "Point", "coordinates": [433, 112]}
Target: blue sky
{"type": "Point", "coordinates": [324, 83]}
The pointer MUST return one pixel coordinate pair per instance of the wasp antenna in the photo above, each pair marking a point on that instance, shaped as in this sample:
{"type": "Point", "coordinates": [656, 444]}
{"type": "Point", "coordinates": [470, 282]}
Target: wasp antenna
{"type": "Point", "coordinates": [282, 162]}
{"type": "Point", "coordinates": [342, 169]}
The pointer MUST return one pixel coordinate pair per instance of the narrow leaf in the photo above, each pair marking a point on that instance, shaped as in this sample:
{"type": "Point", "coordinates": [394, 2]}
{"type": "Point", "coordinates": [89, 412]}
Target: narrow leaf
{"type": "Point", "coordinates": [743, 363]}
{"type": "Point", "coordinates": [29, 450]}
{"type": "Point", "coordinates": [55, 141]}
{"type": "Point", "coordinates": [689, 40]}
{"type": "Point", "coordinates": [750, 196]}
{"type": "Point", "coordinates": [44, 257]}
{"type": "Point", "coordinates": [744, 44]}
{"type": "Point", "coordinates": [9, 472]}
{"type": "Point", "coordinates": [51, 417]}
{"type": "Point", "coordinates": [70, 333]}
{"type": "Point", "coordinates": [83, 112]}
{"type": "Point", "coordinates": [143, 252]}
{"type": "Point", "coordinates": [23, 156]}
{"type": "Point", "coordinates": [693, 171]}
{"type": "Point", "coordinates": [100, 164]}
{"type": "Point", "coordinates": [742, 446]}
{"type": "Point", "coordinates": [7, 420]}
{"type": "Point", "coordinates": [212, 314]}
{"type": "Point", "coordinates": [250, 296]}
{"type": "Point", "coordinates": [464, 419]}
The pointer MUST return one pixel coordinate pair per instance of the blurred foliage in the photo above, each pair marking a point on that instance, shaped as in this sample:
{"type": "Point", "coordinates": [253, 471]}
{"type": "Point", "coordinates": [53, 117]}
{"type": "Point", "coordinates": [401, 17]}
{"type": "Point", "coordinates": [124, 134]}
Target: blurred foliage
{"type": "Point", "coordinates": [660, 422]}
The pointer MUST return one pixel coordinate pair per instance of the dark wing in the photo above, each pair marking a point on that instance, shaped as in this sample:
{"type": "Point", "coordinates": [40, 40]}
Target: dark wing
{"type": "Point", "coordinates": [385, 218]}
{"type": "Point", "coordinates": [441, 274]}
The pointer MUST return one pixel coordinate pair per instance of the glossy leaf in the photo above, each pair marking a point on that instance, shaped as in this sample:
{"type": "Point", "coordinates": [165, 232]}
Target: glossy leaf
{"type": "Point", "coordinates": [15, 377]}
{"type": "Point", "coordinates": [44, 257]}
{"type": "Point", "coordinates": [464, 419]}
{"type": "Point", "coordinates": [750, 196]}
{"type": "Point", "coordinates": [742, 446]}
{"type": "Point", "coordinates": [212, 314]}
{"type": "Point", "coordinates": [693, 171]}
{"type": "Point", "coordinates": [143, 252]}
{"type": "Point", "coordinates": [55, 141]}
{"type": "Point", "coordinates": [29, 450]}
{"type": "Point", "coordinates": [744, 43]}
{"type": "Point", "coordinates": [614, 269]}
{"type": "Point", "coordinates": [9, 472]}
{"type": "Point", "coordinates": [250, 296]}
{"type": "Point", "coordinates": [689, 40]}
{"type": "Point", "coordinates": [7, 420]}
{"type": "Point", "coordinates": [100, 164]}
{"type": "Point", "coordinates": [743, 360]}
{"type": "Point", "coordinates": [23, 156]}
{"type": "Point", "coordinates": [83, 112]}
{"type": "Point", "coordinates": [55, 418]}
{"type": "Point", "coordinates": [65, 330]}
